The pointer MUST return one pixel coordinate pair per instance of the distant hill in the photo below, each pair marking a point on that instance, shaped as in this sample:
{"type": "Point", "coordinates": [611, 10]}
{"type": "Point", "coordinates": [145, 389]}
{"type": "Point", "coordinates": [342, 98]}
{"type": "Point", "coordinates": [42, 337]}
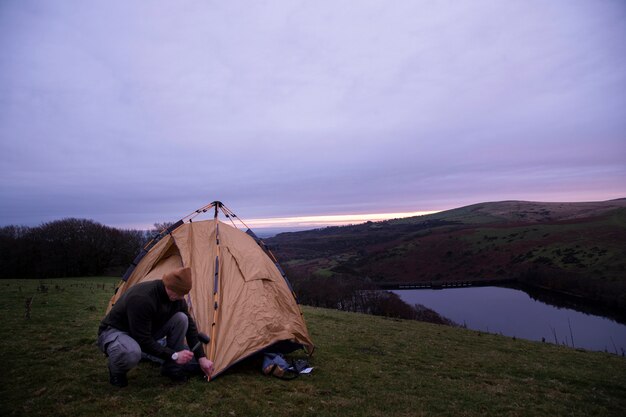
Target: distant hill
{"type": "Point", "coordinates": [572, 248]}
{"type": "Point", "coordinates": [523, 212]}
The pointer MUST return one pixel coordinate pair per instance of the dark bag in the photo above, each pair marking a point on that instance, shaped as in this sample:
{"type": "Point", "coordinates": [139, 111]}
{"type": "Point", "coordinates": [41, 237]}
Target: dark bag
{"type": "Point", "coordinates": [300, 365]}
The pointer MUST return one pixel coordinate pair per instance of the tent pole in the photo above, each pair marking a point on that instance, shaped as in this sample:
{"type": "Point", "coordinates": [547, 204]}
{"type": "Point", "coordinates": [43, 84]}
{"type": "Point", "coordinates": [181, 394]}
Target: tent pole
{"type": "Point", "coordinates": [216, 285]}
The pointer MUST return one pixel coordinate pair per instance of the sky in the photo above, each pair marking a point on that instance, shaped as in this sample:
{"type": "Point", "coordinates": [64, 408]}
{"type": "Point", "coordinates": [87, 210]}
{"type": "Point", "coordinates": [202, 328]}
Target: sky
{"type": "Point", "coordinates": [132, 113]}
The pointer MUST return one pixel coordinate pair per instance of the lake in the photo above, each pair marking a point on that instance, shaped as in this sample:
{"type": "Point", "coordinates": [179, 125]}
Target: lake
{"type": "Point", "coordinates": [514, 313]}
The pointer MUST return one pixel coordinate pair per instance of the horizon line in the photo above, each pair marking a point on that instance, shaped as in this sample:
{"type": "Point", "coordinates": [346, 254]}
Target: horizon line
{"type": "Point", "coordinates": [308, 222]}
{"type": "Point", "coordinates": [331, 220]}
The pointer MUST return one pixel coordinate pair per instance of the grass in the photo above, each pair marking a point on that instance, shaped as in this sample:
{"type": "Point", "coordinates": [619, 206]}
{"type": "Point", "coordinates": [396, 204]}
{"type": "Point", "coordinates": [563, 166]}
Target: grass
{"type": "Point", "coordinates": [566, 246]}
{"type": "Point", "coordinates": [364, 366]}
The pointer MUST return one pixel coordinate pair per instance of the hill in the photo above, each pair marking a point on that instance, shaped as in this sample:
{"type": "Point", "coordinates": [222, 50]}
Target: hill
{"type": "Point", "coordinates": [577, 249]}
{"type": "Point", "coordinates": [524, 212]}
{"type": "Point", "coordinates": [364, 366]}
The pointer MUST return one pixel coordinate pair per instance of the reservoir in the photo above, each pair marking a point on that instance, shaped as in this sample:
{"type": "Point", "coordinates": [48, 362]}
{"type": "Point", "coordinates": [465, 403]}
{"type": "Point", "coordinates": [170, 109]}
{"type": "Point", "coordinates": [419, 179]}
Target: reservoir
{"type": "Point", "coordinates": [514, 313]}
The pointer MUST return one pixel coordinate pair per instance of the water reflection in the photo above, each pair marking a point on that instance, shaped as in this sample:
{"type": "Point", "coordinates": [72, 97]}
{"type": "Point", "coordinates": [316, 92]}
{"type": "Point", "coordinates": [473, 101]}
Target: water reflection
{"type": "Point", "coordinates": [512, 312]}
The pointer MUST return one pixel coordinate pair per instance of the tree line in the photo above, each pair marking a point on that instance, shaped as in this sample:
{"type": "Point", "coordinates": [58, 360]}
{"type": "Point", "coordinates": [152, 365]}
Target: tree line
{"type": "Point", "coordinates": [347, 293]}
{"type": "Point", "coordinates": [67, 248]}
{"type": "Point", "coordinates": [79, 247]}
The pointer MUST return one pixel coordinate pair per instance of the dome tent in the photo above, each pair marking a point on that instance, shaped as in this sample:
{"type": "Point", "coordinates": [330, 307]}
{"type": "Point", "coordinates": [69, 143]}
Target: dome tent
{"type": "Point", "coordinates": [240, 295]}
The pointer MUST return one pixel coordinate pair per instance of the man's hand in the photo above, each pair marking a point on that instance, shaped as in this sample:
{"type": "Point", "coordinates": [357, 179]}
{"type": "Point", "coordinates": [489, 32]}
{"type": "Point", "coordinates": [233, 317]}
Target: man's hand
{"type": "Point", "coordinates": [184, 356]}
{"type": "Point", "coordinates": [206, 366]}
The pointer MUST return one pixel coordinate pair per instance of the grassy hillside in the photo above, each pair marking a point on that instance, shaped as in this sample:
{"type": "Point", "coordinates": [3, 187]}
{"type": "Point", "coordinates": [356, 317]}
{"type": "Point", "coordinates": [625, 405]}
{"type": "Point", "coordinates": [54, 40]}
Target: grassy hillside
{"type": "Point", "coordinates": [523, 211]}
{"type": "Point", "coordinates": [573, 248]}
{"type": "Point", "coordinates": [364, 366]}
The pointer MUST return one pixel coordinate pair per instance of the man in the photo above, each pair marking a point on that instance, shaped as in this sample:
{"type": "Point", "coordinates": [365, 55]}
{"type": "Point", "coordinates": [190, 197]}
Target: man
{"type": "Point", "coordinates": [147, 312]}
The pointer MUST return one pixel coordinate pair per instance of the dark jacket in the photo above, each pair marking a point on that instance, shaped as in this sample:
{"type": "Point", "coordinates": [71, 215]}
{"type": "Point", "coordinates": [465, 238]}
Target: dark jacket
{"type": "Point", "coordinates": [142, 311]}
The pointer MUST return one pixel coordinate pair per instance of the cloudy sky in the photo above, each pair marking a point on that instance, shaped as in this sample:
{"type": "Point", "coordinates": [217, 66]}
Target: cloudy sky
{"type": "Point", "coordinates": [130, 113]}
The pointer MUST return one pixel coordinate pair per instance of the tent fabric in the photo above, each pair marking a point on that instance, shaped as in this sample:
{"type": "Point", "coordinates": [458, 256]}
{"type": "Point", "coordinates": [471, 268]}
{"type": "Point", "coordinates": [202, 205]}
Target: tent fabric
{"type": "Point", "coordinates": [253, 308]}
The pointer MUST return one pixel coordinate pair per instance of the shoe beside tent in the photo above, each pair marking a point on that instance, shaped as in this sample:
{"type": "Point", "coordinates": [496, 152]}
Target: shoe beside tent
{"type": "Point", "coordinates": [240, 295]}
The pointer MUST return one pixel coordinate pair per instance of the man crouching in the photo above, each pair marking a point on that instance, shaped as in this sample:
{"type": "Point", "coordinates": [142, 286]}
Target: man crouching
{"type": "Point", "coordinates": [144, 314]}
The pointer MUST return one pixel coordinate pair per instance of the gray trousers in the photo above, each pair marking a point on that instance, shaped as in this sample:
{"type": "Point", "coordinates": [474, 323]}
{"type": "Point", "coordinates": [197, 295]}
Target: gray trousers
{"type": "Point", "coordinates": [124, 352]}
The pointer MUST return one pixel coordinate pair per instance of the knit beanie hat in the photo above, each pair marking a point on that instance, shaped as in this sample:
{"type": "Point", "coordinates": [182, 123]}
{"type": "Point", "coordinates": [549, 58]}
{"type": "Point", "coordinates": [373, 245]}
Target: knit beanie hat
{"type": "Point", "coordinates": [178, 280]}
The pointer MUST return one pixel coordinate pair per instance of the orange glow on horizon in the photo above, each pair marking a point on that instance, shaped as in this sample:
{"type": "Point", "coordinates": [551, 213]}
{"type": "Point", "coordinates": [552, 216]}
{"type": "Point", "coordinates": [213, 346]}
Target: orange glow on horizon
{"type": "Point", "coordinates": [304, 222]}
{"type": "Point", "coordinates": [329, 220]}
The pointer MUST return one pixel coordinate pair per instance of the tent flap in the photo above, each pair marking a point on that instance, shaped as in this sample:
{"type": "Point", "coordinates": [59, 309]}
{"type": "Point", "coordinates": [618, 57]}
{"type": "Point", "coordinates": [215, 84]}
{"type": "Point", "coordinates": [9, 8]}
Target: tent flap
{"type": "Point", "coordinates": [251, 265]}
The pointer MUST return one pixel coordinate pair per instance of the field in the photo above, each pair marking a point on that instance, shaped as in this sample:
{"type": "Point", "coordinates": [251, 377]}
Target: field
{"type": "Point", "coordinates": [364, 366]}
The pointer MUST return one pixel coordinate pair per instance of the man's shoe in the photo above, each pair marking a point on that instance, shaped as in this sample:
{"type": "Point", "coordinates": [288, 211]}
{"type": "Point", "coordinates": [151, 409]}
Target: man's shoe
{"type": "Point", "coordinates": [119, 380]}
{"type": "Point", "coordinates": [176, 375]}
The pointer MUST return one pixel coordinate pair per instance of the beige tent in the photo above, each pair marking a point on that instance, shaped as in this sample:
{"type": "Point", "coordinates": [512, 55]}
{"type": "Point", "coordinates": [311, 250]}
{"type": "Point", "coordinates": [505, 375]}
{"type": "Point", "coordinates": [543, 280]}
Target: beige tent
{"type": "Point", "coordinates": [240, 296]}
